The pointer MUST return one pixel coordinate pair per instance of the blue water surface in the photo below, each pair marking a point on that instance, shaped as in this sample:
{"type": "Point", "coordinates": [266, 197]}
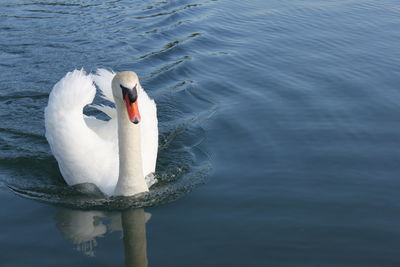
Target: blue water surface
{"type": "Point", "coordinates": [295, 105]}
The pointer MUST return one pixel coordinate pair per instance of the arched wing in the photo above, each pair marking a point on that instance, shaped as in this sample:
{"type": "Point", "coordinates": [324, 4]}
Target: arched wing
{"type": "Point", "coordinates": [83, 155]}
{"type": "Point", "coordinates": [149, 131]}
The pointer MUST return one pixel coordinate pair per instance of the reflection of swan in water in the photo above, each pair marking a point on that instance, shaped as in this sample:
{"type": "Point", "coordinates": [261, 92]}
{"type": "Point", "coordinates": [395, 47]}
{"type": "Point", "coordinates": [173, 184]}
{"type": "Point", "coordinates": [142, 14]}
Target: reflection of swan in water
{"type": "Point", "coordinates": [133, 225]}
{"type": "Point", "coordinates": [84, 227]}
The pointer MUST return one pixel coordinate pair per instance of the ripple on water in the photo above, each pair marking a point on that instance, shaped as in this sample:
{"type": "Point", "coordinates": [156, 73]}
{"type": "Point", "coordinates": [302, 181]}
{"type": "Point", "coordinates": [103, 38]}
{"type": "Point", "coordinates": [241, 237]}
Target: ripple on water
{"type": "Point", "coordinates": [180, 169]}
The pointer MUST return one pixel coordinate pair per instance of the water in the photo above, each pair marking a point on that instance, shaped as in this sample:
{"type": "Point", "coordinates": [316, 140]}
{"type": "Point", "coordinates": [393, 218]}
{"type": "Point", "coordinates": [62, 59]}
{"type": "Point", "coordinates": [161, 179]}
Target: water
{"type": "Point", "coordinates": [294, 105]}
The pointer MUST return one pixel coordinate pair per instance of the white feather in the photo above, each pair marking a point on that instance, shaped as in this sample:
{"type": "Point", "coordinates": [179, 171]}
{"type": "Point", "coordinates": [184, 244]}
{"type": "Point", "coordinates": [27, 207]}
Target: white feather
{"type": "Point", "coordinates": [86, 148]}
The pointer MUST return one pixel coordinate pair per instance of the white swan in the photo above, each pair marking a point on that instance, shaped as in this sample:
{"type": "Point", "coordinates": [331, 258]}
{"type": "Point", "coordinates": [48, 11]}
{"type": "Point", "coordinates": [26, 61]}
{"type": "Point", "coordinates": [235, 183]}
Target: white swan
{"type": "Point", "coordinates": [115, 155]}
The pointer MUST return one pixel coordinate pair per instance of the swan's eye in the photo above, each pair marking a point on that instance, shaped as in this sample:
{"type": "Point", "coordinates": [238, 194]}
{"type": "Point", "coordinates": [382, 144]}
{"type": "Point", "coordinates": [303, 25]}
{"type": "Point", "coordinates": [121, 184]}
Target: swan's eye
{"type": "Point", "coordinates": [130, 93]}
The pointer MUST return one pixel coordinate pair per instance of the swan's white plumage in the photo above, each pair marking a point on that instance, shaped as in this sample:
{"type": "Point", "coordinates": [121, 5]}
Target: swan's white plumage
{"type": "Point", "coordinates": [85, 147]}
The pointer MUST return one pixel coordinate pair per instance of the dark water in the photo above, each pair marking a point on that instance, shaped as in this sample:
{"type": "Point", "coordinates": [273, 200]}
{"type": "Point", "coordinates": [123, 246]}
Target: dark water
{"type": "Point", "coordinates": [294, 104]}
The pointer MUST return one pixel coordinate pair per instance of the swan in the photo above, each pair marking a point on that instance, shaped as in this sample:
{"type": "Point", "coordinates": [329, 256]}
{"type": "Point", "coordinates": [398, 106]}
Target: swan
{"type": "Point", "coordinates": [118, 156]}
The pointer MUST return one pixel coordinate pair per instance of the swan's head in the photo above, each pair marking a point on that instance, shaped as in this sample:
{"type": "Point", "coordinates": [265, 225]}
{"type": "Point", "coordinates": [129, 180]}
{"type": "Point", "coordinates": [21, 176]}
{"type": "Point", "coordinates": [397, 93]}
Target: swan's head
{"type": "Point", "coordinates": [125, 87]}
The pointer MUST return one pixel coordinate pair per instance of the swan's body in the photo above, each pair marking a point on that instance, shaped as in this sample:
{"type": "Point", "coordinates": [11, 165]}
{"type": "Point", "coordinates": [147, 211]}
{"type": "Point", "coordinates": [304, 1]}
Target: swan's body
{"type": "Point", "coordinates": [115, 155]}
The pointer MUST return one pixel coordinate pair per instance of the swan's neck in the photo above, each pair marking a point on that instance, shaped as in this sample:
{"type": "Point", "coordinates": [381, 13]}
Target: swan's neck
{"type": "Point", "coordinates": [131, 179]}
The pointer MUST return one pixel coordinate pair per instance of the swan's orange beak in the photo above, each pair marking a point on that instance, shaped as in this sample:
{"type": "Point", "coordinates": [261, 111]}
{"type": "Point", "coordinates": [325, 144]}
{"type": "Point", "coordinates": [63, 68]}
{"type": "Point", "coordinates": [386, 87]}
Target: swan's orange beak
{"type": "Point", "coordinates": [133, 110]}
